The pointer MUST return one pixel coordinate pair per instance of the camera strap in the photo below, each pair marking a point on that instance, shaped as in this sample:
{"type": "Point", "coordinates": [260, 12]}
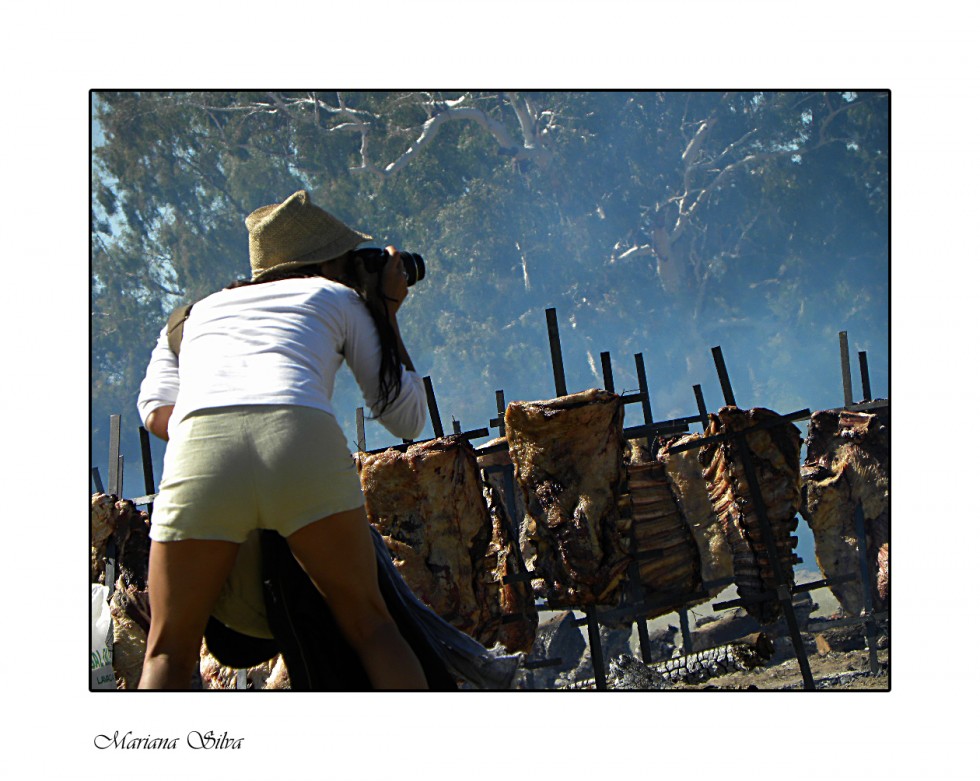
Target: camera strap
{"type": "Point", "coordinates": [175, 326]}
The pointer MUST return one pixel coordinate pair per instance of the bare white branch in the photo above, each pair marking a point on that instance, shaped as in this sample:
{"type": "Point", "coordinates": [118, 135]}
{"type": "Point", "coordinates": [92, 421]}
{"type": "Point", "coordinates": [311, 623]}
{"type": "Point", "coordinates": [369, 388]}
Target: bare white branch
{"type": "Point", "coordinates": [634, 252]}
{"type": "Point", "coordinates": [689, 155]}
{"type": "Point", "coordinates": [455, 111]}
{"type": "Point", "coordinates": [343, 118]}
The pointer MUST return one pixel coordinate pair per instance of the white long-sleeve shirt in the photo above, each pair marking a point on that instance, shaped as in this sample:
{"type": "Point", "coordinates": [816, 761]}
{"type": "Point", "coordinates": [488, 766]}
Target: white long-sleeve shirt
{"type": "Point", "coordinates": [276, 343]}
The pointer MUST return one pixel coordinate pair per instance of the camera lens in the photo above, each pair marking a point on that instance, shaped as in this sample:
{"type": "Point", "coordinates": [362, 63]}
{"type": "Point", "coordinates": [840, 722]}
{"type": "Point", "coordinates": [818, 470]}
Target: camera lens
{"type": "Point", "coordinates": [374, 260]}
{"type": "Point", "coordinates": [414, 267]}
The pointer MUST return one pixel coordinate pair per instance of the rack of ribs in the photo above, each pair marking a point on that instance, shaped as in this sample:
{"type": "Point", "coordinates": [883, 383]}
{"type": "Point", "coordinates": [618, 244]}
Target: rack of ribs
{"type": "Point", "coordinates": [774, 451]}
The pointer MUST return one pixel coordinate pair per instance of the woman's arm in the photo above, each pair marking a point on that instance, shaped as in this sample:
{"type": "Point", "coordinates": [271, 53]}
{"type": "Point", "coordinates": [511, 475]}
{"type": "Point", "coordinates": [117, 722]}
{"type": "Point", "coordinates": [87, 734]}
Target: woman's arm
{"type": "Point", "coordinates": [158, 391]}
{"type": "Point", "coordinates": [405, 415]}
{"type": "Point", "coordinates": [157, 421]}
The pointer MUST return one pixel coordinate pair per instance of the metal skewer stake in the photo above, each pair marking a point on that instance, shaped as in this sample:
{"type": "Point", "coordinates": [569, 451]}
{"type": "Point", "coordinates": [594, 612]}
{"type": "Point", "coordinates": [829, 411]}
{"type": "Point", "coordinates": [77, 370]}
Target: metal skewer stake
{"type": "Point", "coordinates": [115, 487]}
{"type": "Point", "coordinates": [865, 377]}
{"type": "Point", "coordinates": [633, 571]}
{"type": "Point", "coordinates": [726, 383]}
{"type": "Point", "coordinates": [607, 375]}
{"type": "Point", "coordinates": [430, 398]}
{"type": "Point", "coordinates": [361, 440]}
{"type": "Point", "coordinates": [641, 375]}
{"type": "Point", "coordinates": [554, 341]}
{"type": "Point", "coordinates": [561, 389]}
{"type": "Point", "coordinates": [845, 369]}
{"type": "Point", "coordinates": [501, 411]}
{"type": "Point", "coordinates": [702, 409]}
{"type": "Point", "coordinates": [783, 591]}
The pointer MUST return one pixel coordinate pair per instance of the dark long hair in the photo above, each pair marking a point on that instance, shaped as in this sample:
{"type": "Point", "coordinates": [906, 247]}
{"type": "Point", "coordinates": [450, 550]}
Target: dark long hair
{"type": "Point", "coordinates": [367, 285]}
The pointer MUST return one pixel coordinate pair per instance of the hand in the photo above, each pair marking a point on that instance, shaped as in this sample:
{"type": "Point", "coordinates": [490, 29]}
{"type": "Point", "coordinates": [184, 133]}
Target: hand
{"type": "Point", "coordinates": [394, 282]}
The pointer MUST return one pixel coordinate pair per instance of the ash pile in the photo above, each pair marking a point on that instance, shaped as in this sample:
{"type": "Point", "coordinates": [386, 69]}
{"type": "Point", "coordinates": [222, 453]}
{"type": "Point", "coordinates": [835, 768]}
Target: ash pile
{"type": "Point", "coordinates": [717, 646]}
{"type": "Point", "coordinates": [624, 671]}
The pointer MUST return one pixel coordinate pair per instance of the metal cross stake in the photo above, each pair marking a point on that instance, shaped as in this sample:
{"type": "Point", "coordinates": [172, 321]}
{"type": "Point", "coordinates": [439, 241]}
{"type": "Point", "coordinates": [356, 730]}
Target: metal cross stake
{"type": "Point", "coordinates": [498, 422]}
{"type": "Point", "coordinates": [361, 439]}
{"type": "Point", "coordinates": [115, 489]}
{"type": "Point", "coordinates": [783, 590]}
{"type": "Point", "coordinates": [702, 409]}
{"type": "Point", "coordinates": [115, 481]}
{"type": "Point", "coordinates": [595, 640]}
{"type": "Point", "coordinates": [510, 516]}
{"type": "Point", "coordinates": [648, 431]}
{"type": "Point", "coordinates": [633, 571]}
{"type": "Point", "coordinates": [866, 404]}
{"type": "Point", "coordinates": [430, 397]}
{"type": "Point", "coordinates": [865, 378]}
{"type": "Point", "coordinates": [648, 419]}
{"type": "Point", "coordinates": [556, 362]}
{"type": "Point", "coordinates": [510, 491]}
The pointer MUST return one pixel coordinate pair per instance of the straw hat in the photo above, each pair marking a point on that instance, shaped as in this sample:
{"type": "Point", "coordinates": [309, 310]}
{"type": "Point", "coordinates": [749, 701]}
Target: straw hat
{"type": "Point", "coordinates": [295, 233]}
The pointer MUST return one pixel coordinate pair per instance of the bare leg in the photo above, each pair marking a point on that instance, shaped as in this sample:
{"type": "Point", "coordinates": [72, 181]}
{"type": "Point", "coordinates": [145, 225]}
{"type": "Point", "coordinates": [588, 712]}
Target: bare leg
{"type": "Point", "coordinates": [337, 553]}
{"type": "Point", "coordinates": [184, 582]}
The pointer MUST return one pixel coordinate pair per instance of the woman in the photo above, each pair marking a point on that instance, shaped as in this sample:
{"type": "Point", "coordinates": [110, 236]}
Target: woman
{"type": "Point", "coordinates": [253, 441]}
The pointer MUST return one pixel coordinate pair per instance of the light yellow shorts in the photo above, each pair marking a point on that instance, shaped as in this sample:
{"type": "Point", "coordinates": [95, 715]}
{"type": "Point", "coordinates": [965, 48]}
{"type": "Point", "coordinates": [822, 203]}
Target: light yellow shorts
{"type": "Point", "coordinates": [230, 470]}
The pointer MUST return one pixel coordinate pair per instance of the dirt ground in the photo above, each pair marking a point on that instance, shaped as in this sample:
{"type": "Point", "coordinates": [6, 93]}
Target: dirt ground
{"type": "Point", "coordinates": [838, 657]}
{"type": "Point", "coordinates": [837, 670]}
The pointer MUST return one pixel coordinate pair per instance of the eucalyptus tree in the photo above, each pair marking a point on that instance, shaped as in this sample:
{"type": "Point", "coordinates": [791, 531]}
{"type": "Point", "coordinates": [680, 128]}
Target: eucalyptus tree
{"type": "Point", "coordinates": [645, 217]}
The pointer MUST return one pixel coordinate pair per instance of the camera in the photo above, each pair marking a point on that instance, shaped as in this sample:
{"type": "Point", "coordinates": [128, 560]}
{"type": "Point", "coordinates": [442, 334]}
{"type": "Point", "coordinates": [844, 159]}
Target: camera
{"type": "Point", "coordinates": [374, 260]}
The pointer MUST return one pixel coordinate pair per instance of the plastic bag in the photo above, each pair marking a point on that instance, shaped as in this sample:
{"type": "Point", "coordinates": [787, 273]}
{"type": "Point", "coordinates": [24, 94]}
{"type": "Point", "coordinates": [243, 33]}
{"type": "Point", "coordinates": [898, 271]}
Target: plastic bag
{"type": "Point", "coordinates": [101, 660]}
